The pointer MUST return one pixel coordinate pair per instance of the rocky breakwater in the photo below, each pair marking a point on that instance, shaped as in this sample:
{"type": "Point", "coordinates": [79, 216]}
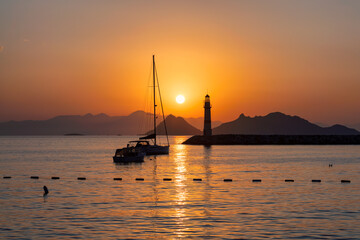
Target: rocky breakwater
{"type": "Point", "coordinates": [240, 139]}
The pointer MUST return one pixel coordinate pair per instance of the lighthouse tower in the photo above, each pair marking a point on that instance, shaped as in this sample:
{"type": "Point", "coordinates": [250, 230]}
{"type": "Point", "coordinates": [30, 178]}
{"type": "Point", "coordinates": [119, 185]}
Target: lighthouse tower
{"type": "Point", "coordinates": [207, 116]}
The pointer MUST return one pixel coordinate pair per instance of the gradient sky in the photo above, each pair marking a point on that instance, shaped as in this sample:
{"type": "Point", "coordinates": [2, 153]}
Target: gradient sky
{"type": "Point", "coordinates": [253, 57]}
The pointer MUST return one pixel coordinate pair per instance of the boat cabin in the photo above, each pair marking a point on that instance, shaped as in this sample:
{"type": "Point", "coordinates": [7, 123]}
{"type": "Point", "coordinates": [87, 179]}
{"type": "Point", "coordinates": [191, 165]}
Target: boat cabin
{"type": "Point", "coordinates": [126, 152]}
{"type": "Point", "coordinates": [138, 143]}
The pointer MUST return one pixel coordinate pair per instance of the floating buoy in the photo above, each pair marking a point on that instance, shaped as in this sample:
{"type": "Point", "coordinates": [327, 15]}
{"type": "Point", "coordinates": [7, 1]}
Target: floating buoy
{"type": "Point", "coordinates": [167, 179]}
{"type": "Point", "coordinates": [117, 178]}
{"type": "Point", "coordinates": [34, 177]}
{"type": "Point", "coordinates": [197, 179]}
{"type": "Point", "coordinates": [227, 180]}
{"type": "Point", "coordinates": [289, 180]}
{"type": "Point", "coordinates": [46, 190]}
{"type": "Point", "coordinates": [316, 180]}
{"type": "Point", "coordinates": [81, 178]}
{"type": "Point", "coordinates": [139, 179]}
{"type": "Point", "coordinates": [256, 180]}
{"type": "Point", "coordinates": [6, 177]}
{"type": "Point", "coordinates": [55, 178]}
{"type": "Point", "coordinates": [345, 181]}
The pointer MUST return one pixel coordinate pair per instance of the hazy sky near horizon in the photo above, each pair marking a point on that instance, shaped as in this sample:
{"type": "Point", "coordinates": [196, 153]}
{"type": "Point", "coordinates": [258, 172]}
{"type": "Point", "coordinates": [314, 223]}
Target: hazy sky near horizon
{"type": "Point", "coordinates": [253, 57]}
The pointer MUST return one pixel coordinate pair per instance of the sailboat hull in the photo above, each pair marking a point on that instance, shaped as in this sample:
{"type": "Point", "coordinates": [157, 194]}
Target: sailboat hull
{"type": "Point", "coordinates": [155, 149]}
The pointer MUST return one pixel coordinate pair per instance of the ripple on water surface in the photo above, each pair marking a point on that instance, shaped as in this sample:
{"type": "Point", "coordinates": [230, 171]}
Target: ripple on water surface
{"type": "Point", "coordinates": [100, 207]}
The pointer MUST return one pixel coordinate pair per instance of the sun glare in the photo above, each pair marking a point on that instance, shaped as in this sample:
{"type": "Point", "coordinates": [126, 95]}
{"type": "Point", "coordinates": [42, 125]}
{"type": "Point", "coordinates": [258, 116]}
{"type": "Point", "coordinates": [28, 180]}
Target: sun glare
{"type": "Point", "coordinates": [180, 99]}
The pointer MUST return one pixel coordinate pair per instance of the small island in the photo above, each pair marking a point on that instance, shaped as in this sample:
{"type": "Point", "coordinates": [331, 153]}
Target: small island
{"type": "Point", "coordinates": [273, 129]}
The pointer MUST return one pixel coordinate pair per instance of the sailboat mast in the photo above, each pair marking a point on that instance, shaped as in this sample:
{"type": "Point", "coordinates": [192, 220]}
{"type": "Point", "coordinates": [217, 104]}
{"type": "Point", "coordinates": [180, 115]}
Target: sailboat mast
{"type": "Point", "coordinates": [154, 99]}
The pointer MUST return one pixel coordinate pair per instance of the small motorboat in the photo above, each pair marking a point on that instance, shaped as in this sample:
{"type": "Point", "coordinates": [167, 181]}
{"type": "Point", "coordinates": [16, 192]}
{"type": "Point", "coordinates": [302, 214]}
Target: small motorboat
{"type": "Point", "coordinates": [128, 154]}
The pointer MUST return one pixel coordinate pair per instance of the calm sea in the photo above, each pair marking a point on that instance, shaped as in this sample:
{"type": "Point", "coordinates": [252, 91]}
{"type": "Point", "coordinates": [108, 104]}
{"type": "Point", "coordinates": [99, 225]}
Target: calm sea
{"type": "Point", "coordinates": [100, 207]}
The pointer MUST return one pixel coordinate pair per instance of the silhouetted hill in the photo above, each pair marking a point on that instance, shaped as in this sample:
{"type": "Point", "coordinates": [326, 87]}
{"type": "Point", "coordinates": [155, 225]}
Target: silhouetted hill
{"type": "Point", "coordinates": [139, 122]}
{"type": "Point", "coordinates": [356, 126]}
{"type": "Point", "coordinates": [279, 124]}
{"type": "Point", "coordinates": [176, 126]}
{"type": "Point", "coordinates": [199, 122]}
{"type": "Point", "coordinates": [86, 124]}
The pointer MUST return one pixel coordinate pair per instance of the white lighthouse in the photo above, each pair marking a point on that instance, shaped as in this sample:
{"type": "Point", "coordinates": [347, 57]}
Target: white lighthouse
{"type": "Point", "coordinates": [207, 116]}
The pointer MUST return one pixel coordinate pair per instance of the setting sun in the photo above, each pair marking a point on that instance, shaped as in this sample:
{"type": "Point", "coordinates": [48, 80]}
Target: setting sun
{"type": "Point", "coordinates": [180, 99]}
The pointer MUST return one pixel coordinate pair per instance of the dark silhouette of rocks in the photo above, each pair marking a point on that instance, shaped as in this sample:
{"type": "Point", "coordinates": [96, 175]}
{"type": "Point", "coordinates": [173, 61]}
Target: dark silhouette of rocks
{"type": "Point", "coordinates": [238, 139]}
{"type": "Point", "coordinates": [176, 126]}
{"type": "Point", "coordinates": [279, 124]}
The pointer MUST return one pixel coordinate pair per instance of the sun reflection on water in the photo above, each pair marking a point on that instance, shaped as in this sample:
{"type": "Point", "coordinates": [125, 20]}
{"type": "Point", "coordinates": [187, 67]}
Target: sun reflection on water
{"type": "Point", "coordinates": [180, 208]}
{"type": "Point", "coordinates": [181, 195]}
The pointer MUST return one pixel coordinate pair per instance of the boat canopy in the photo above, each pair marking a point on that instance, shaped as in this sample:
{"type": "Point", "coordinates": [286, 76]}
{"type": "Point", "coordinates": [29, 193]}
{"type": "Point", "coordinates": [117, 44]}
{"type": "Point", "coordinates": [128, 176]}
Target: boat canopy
{"type": "Point", "coordinates": [138, 143]}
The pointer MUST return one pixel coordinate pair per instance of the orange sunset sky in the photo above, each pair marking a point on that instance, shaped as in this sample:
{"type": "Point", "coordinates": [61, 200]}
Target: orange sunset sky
{"type": "Point", "coordinates": [253, 57]}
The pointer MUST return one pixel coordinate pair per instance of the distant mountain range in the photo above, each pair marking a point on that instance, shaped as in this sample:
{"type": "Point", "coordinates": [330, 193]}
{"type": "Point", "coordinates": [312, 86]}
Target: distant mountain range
{"type": "Point", "coordinates": [176, 126]}
{"type": "Point", "coordinates": [138, 123]}
{"type": "Point", "coordinates": [100, 124]}
{"type": "Point", "coordinates": [199, 122]}
{"type": "Point", "coordinates": [279, 124]}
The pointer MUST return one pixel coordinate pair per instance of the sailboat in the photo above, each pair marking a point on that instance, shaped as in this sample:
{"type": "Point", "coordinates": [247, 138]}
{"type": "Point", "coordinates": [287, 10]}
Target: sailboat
{"type": "Point", "coordinates": [147, 145]}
